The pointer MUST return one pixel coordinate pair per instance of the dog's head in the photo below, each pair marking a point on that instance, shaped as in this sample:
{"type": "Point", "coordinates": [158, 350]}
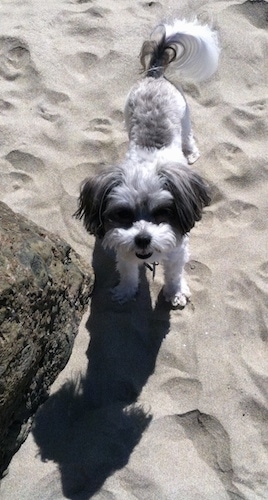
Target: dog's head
{"type": "Point", "coordinates": [142, 213]}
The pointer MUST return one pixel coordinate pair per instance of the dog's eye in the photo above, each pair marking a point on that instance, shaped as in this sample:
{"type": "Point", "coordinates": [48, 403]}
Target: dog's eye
{"type": "Point", "coordinates": [124, 216]}
{"type": "Point", "coordinates": [162, 214]}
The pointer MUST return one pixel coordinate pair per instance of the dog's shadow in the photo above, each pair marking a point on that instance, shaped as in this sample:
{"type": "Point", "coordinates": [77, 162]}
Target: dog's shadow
{"type": "Point", "coordinates": [90, 427]}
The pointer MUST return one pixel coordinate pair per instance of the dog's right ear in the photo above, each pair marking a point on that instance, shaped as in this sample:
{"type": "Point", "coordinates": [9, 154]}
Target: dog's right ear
{"type": "Point", "coordinates": [93, 200]}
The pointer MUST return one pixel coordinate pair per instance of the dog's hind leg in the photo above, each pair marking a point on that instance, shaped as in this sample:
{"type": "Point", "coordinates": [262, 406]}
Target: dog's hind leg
{"type": "Point", "coordinates": [189, 147]}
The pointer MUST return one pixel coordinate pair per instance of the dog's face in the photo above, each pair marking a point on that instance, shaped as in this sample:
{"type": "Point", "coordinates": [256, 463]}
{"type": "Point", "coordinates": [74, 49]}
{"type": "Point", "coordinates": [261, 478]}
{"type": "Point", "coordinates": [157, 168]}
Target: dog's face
{"type": "Point", "coordinates": [142, 213]}
{"type": "Point", "coordinates": [140, 226]}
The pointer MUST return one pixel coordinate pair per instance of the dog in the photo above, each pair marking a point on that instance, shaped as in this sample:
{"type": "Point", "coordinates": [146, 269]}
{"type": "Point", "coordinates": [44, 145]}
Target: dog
{"type": "Point", "coordinates": [144, 207]}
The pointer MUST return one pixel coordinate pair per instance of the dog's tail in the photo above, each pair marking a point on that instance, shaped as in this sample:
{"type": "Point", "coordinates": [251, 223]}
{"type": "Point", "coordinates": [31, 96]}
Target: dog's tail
{"type": "Point", "coordinates": [191, 48]}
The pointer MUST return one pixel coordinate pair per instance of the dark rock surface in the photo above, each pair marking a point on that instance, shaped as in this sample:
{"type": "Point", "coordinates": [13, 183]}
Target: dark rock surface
{"type": "Point", "coordinates": [44, 289]}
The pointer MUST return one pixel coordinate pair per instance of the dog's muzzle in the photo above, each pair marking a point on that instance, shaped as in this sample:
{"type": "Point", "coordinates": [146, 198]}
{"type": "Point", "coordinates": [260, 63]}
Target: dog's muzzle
{"type": "Point", "coordinates": [142, 241]}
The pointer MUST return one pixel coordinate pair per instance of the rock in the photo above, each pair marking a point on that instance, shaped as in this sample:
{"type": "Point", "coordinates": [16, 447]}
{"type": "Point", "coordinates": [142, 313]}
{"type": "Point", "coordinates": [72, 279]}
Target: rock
{"type": "Point", "coordinates": [44, 289]}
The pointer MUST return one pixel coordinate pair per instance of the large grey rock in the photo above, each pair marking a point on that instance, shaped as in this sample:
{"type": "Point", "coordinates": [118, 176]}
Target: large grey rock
{"type": "Point", "coordinates": [44, 288]}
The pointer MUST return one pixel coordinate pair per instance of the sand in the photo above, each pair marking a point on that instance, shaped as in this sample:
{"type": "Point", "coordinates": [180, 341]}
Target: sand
{"type": "Point", "coordinates": [154, 403]}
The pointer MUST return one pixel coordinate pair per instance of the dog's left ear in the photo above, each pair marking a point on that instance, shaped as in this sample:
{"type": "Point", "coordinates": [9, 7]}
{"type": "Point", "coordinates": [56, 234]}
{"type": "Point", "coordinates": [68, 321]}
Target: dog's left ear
{"type": "Point", "coordinates": [189, 191]}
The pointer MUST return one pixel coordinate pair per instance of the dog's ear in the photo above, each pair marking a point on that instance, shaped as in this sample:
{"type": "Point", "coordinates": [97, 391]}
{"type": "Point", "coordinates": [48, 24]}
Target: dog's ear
{"type": "Point", "coordinates": [189, 191]}
{"type": "Point", "coordinates": [93, 200]}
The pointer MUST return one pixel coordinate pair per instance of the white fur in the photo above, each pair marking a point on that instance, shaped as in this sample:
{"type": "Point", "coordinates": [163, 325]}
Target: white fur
{"type": "Point", "coordinates": [199, 59]}
{"type": "Point", "coordinates": [145, 207]}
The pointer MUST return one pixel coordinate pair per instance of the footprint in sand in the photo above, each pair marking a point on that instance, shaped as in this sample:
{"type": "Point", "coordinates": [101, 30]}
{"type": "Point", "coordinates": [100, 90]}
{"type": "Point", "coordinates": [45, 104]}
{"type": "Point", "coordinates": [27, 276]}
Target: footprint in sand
{"type": "Point", "coordinates": [199, 275]}
{"type": "Point", "coordinates": [183, 389]}
{"type": "Point", "coordinates": [72, 177]}
{"type": "Point", "coordinates": [262, 272]}
{"type": "Point", "coordinates": [19, 180]}
{"type": "Point", "coordinates": [11, 181]}
{"type": "Point", "coordinates": [99, 142]}
{"type": "Point", "coordinates": [5, 107]}
{"type": "Point", "coordinates": [20, 174]}
{"type": "Point", "coordinates": [211, 442]}
{"type": "Point", "coordinates": [255, 11]}
{"type": "Point", "coordinates": [236, 214]}
{"type": "Point", "coordinates": [81, 28]}
{"type": "Point", "coordinates": [25, 162]}
{"type": "Point", "coordinates": [234, 164]}
{"type": "Point", "coordinates": [151, 5]}
{"type": "Point", "coordinates": [249, 122]}
{"type": "Point", "coordinates": [82, 62]}
{"type": "Point", "coordinates": [24, 171]}
{"type": "Point", "coordinates": [50, 107]}
{"type": "Point", "coordinates": [100, 125]}
{"type": "Point", "coordinates": [247, 287]}
{"type": "Point", "coordinates": [81, 1]}
{"type": "Point", "coordinates": [97, 12]}
{"type": "Point", "coordinates": [14, 57]}
{"type": "Point", "coordinates": [257, 411]}
{"type": "Point", "coordinates": [240, 290]}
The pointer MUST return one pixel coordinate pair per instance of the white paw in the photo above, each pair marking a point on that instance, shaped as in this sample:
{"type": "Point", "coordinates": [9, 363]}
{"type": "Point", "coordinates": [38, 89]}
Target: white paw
{"type": "Point", "coordinates": [179, 298]}
{"type": "Point", "coordinates": [123, 293]}
{"type": "Point", "coordinates": [193, 157]}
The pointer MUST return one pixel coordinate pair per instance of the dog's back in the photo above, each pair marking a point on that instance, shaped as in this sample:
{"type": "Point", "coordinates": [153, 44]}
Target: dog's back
{"type": "Point", "coordinates": [153, 113]}
{"type": "Point", "coordinates": [156, 112]}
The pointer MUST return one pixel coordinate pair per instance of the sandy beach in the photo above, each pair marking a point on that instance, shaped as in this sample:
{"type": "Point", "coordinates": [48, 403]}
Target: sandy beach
{"type": "Point", "coordinates": [154, 403]}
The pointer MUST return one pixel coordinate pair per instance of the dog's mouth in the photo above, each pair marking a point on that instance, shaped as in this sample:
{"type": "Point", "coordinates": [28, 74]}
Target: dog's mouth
{"type": "Point", "coordinates": [144, 255]}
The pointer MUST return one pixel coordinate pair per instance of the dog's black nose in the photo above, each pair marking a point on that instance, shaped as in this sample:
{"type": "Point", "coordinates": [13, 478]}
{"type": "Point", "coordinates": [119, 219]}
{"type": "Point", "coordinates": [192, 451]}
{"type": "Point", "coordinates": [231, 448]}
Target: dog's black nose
{"type": "Point", "coordinates": [143, 240]}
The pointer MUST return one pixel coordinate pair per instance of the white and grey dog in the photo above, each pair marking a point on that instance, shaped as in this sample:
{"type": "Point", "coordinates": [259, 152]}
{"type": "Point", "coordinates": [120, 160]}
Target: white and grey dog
{"type": "Point", "coordinates": [145, 207]}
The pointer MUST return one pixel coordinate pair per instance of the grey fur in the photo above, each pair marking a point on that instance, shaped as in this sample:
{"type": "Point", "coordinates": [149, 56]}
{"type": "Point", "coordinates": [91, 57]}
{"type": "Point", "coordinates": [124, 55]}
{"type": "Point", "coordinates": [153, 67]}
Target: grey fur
{"type": "Point", "coordinates": [93, 199]}
{"type": "Point", "coordinates": [190, 194]}
{"type": "Point", "coordinates": [152, 114]}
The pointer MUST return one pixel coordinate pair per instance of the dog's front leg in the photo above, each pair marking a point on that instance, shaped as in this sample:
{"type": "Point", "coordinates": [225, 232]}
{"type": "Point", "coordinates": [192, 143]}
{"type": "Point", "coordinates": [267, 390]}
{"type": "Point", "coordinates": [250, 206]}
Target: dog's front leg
{"type": "Point", "coordinates": [176, 289]}
{"type": "Point", "coordinates": [129, 281]}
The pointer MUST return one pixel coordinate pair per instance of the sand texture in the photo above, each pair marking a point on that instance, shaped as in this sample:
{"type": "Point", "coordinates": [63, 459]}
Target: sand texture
{"type": "Point", "coordinates": [154, 403]}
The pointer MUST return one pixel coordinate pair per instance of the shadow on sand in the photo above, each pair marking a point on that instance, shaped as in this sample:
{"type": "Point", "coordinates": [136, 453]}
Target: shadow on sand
{"type": "Point", "coordinates": [91, 426]}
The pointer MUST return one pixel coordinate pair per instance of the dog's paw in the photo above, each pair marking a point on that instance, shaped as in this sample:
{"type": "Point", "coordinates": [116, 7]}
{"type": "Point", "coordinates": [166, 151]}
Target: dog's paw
{"type": "Point", "coordinates": [122, 293]}
{"type": "Point", "coordinates": [193, 157]}
{"type": "Point", "coordinates": [179, 298]}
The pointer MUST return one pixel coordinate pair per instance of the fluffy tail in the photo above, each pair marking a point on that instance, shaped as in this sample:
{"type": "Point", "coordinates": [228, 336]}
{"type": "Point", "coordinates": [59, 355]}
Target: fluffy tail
{"type": "Point", "coordinates": [190, 47]}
